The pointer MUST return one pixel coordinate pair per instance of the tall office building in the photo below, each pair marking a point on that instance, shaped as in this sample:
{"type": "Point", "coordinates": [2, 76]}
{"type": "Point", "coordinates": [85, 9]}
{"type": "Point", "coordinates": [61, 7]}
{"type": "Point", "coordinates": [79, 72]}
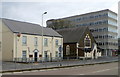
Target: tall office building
{"type": "Point", "coordinates": [103, 25]}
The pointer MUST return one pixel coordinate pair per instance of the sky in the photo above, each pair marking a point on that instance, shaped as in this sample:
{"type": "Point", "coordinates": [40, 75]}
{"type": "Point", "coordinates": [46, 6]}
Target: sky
{"type": "Point", "coordinates": [32, 10]}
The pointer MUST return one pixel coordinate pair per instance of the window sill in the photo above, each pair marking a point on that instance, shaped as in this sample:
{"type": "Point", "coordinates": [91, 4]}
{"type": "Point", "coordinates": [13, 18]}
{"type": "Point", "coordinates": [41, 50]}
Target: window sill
{"type": "Point", "coordinates": [45, 46]}
{"type": "Point", "coordinates": [24, 45]}
{"type": "Point", "coordinates": [56, 46]}
{"type": "Point", "coordinates": [35, 45]}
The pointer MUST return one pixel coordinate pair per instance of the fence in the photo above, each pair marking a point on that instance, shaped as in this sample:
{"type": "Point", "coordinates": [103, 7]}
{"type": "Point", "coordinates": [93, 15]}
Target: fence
{"type": "Point", "coordinates": [49, 59]}
{"type": "Point", "coordinates": [44, 59]}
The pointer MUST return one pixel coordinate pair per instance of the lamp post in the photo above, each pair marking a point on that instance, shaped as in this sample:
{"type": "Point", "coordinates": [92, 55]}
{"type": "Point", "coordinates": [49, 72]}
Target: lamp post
{"type": "Point", "coordinates": [18, 34]}
{"type": "Point", "coordinates": [105, 47]}
{"type": "Point", "coordinates": [42, 31]}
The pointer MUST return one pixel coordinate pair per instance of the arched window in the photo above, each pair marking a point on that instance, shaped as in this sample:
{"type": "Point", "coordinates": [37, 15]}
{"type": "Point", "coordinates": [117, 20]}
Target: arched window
{"type": "Point", "coordinates": [87, 41]}
{"type": "Point", "coordinates": [67, 50]}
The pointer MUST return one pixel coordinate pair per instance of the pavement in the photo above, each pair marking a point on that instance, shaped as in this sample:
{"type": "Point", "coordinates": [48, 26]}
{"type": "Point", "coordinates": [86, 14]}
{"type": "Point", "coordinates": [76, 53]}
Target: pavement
{"type": "Point", "coordinates": [12, 67]}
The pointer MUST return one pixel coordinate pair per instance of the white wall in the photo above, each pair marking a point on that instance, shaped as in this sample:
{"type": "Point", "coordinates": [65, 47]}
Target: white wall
{"type": "Point", "coordinates": [51, 48]}
{"type": "Point", "coordinates": [7, 43]}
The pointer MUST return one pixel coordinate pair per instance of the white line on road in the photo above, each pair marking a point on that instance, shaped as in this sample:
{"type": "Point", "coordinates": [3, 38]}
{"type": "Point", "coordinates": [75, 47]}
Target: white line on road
{"type": "Point", "coordinates": [103, 70]}
{"type": "Point", "coordinates": [17, 72]}
{"type": "Point", "coordinates": [6, 73]}
{"type": "Point", "coordinates": [34, 71]}
{"type": "Point", "coordinates": [25, 71]}
{"type": "Point", "coordinates": [81, 74]}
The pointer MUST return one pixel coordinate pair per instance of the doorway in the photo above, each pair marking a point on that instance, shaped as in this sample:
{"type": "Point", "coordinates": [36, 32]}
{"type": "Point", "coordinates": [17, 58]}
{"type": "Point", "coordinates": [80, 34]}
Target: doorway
{"type": "Point", "coordinates": [46, 56]}
{"type": "Point", "coordinates": [35, 56]}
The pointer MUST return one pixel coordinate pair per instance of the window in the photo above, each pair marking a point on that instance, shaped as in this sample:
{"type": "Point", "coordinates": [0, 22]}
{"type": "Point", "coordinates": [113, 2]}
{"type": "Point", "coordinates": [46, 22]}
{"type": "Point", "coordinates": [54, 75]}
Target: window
{"type": "Point", "coordinates": [24, 40]}
{"type": "Point", "coordinates": [99, 15]}
{"type": "Point", "coordinates": [100, 36]}
{"type": "Point", "coordinates": [100, 43]}
{"type": "Point", "coordinates": [106, 43]}
{"type": "Point", "coordinates": [105, 14]}
{"type": "Point", "coordinates": [100, 30]}
{"type": "Point", "coordinates": [45, 42]}
{"type": "Point", "coordinates": [105, 22]}
{"type": "Point", "coordinates": [100, 22]}
{"type": "Point", "coordinates": [91, 16]}
{"type": "Point", "coordinates": [112, 15]}
{"type": "Point", "coordinates": [60, 55]}
{"type": "Point", "coordinates": [96, 23]}
{"type": "Point", "coordinates": [56, 42]}
{"type": "Point", "coordinates": [96, 37]}
{"type": "Point", "coordinates": [87, 41]}
{"type": "Point", "coordinates": [96, 16]}
{"type": "Point", "coordinates": [79, 19]}
{"type": "Point", "coordinates": [105, 29]}
{"type": "Point", "coordinates": [45, 54]}
{"type": "Point", "coordinates": [35, 41]}
{"type": "Point", "coordinates": [23, 54]}
{"type": "Point", "coordinates": [67, 50]}
{"type": "Point", "coordinates": [56, 54]}
{"type": "Point", "coordinates": [84, 24]}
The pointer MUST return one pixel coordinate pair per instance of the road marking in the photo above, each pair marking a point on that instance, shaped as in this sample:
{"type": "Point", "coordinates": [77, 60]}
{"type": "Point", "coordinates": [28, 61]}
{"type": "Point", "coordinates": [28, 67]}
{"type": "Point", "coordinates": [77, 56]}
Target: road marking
{"type": "Point", "coordinates": [81, 74]}
{"type": "Point", "coordinates": [25, 71]}
{"type": "Point", "coordinates": [42, 70]}
{"type": "Point", "coordinates": [52, 69]}
{"type": "Point", "coordinates": [35, 71]}
{"type": "Point", "coordinates": [6, 73]}
{"type": "Point", "coordinates": [17, 72]}
{"type": "Point", "coordinates": [100, 71]}
{"type": "Point", "coordinates": [103, 70]}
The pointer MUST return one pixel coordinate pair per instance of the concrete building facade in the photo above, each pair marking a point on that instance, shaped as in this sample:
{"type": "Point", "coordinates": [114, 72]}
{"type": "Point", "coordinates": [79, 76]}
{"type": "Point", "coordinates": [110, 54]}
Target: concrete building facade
{"type": "Point", "coordinates": [23, 42]}
{"type": "Point", "coordinates": [102, 24]}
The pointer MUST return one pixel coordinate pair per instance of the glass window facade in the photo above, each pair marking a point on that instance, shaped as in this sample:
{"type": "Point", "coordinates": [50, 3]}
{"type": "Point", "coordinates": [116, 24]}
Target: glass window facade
{"type": "Point", "coordinates": [112, 15]}
{"type": "Point", "coordinates": [111, 22]}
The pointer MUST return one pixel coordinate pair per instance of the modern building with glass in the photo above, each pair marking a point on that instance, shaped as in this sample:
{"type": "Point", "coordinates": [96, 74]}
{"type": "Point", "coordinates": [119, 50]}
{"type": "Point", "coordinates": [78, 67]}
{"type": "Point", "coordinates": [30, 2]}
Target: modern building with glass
{"type": "Point", "coordinates": [102, 24]}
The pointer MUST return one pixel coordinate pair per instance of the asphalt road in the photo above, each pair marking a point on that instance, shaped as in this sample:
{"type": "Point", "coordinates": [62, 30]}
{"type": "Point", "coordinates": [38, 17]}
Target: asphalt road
{"type": "Point", "coordinates": [98, 69]}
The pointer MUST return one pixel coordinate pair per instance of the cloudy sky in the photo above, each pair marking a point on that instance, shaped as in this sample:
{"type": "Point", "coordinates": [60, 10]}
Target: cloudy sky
{"type": "Point", "coordinates": [32, 10]}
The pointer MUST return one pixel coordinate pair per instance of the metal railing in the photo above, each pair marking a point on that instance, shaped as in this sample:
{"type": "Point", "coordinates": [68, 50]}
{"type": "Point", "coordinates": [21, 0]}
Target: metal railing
{"type": "Point", "coordinates": [44, 59]}
{"type": "Point", "coordinates": [29, 63]}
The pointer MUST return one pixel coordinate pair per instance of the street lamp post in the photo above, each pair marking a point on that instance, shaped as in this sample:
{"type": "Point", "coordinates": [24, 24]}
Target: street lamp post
{"type": "Point", "coordinates": [105, 47]}
{"type": "Point", "coordinates": [42, 31]}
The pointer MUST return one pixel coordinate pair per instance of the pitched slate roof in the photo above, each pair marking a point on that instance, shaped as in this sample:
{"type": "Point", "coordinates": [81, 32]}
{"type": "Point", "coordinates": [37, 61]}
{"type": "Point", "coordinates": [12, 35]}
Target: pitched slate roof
{"type": "Point", "coordinates": [28, 28]}
{"type": "Point", "coordinates": [71, 35]}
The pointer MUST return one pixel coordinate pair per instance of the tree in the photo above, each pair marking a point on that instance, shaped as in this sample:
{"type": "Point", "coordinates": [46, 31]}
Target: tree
{"type": "Point", "coordinates": [59, 24]}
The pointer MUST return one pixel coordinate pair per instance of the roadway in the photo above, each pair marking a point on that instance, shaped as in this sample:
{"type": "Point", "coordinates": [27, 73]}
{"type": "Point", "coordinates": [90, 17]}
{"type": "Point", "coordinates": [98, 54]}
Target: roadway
{"type": "Point", "coordinates": [97, 69]}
